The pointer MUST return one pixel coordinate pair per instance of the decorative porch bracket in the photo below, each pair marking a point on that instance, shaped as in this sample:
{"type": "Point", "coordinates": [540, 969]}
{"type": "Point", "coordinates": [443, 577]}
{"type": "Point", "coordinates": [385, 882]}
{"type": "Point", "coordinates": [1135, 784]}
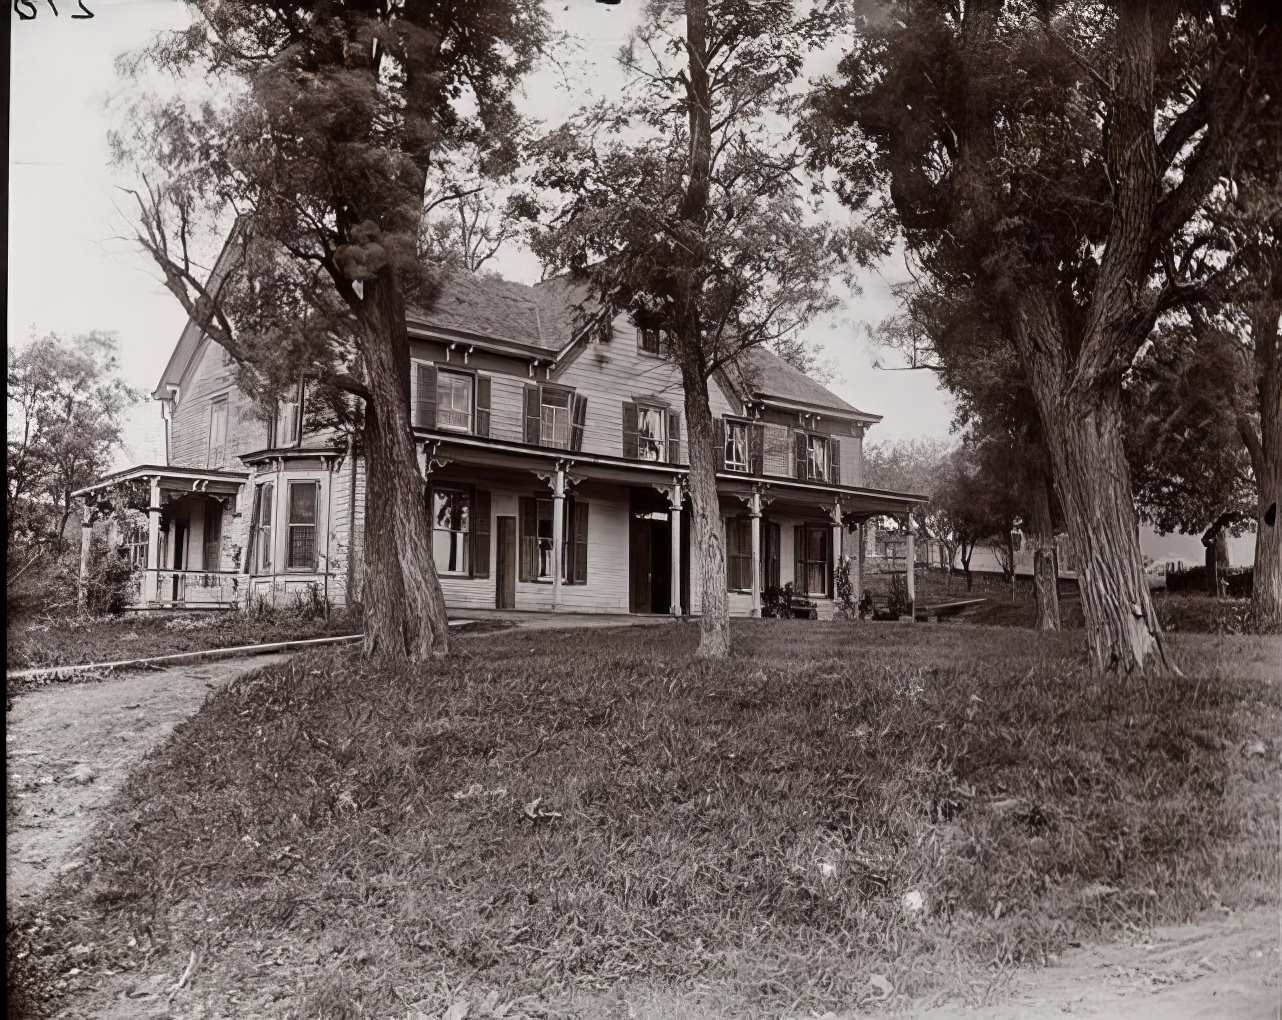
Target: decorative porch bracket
{"type": "Point", "coordinates": [432, 462]}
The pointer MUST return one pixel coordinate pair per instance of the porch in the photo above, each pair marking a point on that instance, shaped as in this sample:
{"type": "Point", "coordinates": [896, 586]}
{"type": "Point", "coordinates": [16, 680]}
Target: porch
{"type": "Point", "coordinates": [173, 527]}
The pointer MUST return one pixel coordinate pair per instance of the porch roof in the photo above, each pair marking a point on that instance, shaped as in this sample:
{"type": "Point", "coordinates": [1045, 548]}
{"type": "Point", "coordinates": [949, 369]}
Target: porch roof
{"type": "Point", "coordinates": [189, 478]}
{"type": "Point", "coordinates": [503, 454]}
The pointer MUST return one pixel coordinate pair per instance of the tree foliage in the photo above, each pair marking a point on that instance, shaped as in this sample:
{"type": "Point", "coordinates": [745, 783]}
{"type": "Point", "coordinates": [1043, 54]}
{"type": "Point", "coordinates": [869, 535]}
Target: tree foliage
{"type": "Point", "coordinates": [329, 124]}
{"type": "Point", "coordinates": [1054, 162]}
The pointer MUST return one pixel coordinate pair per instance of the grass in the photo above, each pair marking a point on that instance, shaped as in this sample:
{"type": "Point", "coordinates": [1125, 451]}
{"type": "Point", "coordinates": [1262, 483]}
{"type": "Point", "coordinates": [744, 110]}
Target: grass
{"type": "Point", "coordinates": [556, 822]}
{"type": "Point", "coordinates": [71, 641]}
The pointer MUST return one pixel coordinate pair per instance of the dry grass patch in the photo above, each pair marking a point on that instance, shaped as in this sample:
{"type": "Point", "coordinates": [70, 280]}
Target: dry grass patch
{"type": "Point", "coordinates": [546, 815]}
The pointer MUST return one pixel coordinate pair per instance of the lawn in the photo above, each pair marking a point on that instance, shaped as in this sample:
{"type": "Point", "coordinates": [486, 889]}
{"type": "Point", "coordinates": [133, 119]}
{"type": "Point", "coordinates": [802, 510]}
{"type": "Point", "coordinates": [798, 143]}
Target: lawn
{"type": "Point", "coordinates": [70, 641]}
{"type": "Point", "coordinates": [562, 823]}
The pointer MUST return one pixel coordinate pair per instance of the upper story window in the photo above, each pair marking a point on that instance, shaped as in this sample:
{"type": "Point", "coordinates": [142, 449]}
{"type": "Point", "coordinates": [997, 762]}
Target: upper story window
{"type": "Point", "coordinates": [554, 418]}
{"type": "Point", "coordinates": [217, 449]}
{"type": "Point", "coordinates": [649, 341]}
{"type": "Point", "coordinates": [818, 458]}
{"type": "Point", "coordinates": [453, 400]}
{"type": "Point", "coordinates": [287, 427]}
{"type": "Point", "coordinates": [736, 453]}
{"type": "Point", "coordinates": [652, 433]}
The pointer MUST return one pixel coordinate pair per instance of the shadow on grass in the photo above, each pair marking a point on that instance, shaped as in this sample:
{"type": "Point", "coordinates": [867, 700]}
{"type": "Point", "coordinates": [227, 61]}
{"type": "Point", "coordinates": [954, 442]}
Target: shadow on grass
{"type": "Point", "coordinates": [547, 812]}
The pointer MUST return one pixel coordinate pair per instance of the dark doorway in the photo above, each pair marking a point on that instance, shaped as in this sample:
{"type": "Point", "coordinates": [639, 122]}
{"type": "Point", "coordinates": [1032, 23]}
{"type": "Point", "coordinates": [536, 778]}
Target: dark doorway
{"type": "Point", "coordinates": [505, 585]}
{"type": "Point", "coordinates": [180, 558]}
{"type": "Point", "coordinates": [650, 554]}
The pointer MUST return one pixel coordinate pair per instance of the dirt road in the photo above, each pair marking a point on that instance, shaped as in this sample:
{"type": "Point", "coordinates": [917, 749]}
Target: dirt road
{"type": "Point", "coordinates": [69, 747]}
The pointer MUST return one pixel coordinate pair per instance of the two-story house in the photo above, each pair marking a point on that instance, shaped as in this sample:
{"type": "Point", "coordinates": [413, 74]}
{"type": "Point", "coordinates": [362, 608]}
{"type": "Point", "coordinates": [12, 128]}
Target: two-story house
{"type": "Point", "coordinates": [555, 462]}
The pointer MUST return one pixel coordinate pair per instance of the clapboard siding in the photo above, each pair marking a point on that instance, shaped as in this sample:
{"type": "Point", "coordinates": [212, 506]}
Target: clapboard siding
{"type": "Point", "coordinates": [210, 378]}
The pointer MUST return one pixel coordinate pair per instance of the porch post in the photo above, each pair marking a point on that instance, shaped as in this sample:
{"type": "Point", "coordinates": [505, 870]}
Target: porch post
{"type": "Point", "coordinates": [912, 572]}
{"type": "Point", "coordinates": [857, 562]}
{"type": "Point", "coordinates": [86, 538]}
{"type": "Point", "coordinates": [838, 546]}
{"type": "Point", "coordinates": [754, 515]}
{"type": "Point", "coordinates": [675, 497]}
{"type": "Point", "coordinates": [558, 537]}
{"type": "Point", "coordinates": [151, 579]}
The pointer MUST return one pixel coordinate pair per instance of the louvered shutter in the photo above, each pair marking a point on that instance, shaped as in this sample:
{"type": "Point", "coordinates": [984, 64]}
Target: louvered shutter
{"type": "Point", "coordinates": [578, 418]}
{"type": "Point", "coordinates": [834, 461]}
{"type": "Point", "coordinates": [480, 533]}
{"type": "Point", "coordinates": [756, 449]}
{"type": "Point", "coordinates": [719, 443]}
{"type": "Point", "coordinates": [253, 529]}
{"type": "Point", "coordinates": [579, 563]}
{"type": "Point", "coordinates": [533, 415]}
{"type": "Point", "coordinates": [674, 437]}
{"type": "Point", "coordinates": [629, 430]}
{"type": "Point", "coordinates": [529, 539]}
{"type": "Point", "coordinates": [799, 559]}
{"type": "Point", "coordinates": [482, 405]}
{"type": "Point", "coordinates": [801, 472]}
{"type": "Point", "coordinates": [425, 396]}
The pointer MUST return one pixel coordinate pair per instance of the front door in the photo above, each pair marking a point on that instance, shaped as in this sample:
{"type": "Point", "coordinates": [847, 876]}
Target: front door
{"type": "Point", "coordinates": [639, 561]}
{"type": "Point", "coordinates": [505, 593]}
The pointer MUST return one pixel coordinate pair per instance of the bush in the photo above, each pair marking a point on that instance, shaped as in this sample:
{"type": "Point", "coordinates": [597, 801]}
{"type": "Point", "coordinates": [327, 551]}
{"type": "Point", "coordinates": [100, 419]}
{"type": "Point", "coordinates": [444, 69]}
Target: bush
{"type": "Point", "coordinates": [1204, 614]}
{"type": "Point", "coordinates": [1237, 581]}
{"type": "Point", "coordinates": [108, 580]}
{"type": "Point", "coordinates": [897, 599]}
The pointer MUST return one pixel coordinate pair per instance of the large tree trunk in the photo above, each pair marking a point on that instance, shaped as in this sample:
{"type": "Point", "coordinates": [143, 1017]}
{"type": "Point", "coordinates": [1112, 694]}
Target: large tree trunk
{"type": "Point", "coordinates": [1266, 457]}
{"type": "Point", "coordinates": [1083, 435]}
{"type": "Point", "coordinates": [1045, 569]}
{"type": "Point", "coordinates": [705, 508]}
{"type": "Point", "coordinates": [405, 615]}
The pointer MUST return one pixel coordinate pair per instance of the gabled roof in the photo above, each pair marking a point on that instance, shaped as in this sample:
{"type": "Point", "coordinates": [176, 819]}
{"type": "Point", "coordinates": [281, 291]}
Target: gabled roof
{"type": "Point", "coordinates": [550, 316]}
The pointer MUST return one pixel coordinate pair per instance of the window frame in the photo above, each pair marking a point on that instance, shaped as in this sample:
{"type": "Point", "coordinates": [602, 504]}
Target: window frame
{"type": "Point", "coordinates": [546, 440]}
{"type": "Point", "coordinates": [469, 381]}
{"type": "Point", "coordinates": [644, 332]}
{"type": "Point", "coordinates": [468, 493]}
{"type": "Point", "coordinates": [813, 441]}
{"type": "Point", "coordinates": [733, 425]}
{"type": "Point", "coordinates": [291, 525]}
{"type": "Point", "coordinates": [216, 404]}
{"type": "Point", "coordinates": [825, 534]}
{"type": "Point", "coordinates": [296, 405]}
{"type": "Point", "coordinates": [661, 441]}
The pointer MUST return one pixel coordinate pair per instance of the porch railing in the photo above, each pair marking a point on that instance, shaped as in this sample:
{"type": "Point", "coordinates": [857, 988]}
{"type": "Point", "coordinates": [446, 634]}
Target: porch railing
{"type": "Point", "coordinates": [188, 587]}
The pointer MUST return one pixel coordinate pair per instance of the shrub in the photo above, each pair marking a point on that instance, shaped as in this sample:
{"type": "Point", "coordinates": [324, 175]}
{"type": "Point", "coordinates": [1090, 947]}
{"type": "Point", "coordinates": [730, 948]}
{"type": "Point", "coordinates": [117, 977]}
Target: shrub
{"type": "Point", "coordinates": [108, 580]}
{"type": "Point", "coordinates": [1237, 581]}
{"type": "Point", "coordinates": [846, 606]}
{"type": "Point", "coordinates": [897, 598]}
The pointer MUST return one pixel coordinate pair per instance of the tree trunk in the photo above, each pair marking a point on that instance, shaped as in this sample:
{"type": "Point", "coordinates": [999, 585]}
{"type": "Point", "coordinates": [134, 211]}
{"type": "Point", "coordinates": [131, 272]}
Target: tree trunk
{"type": "Point", "coordinates": [1266, 458]}
{"type": "Point", "coordinates": [1045, 571]}
{"type": "Point", "coordinates": [1083, 434]}
{"type": "Point", "coordinates": [705, 509]}
{"type": "Point", "coordinates": [405, 615]}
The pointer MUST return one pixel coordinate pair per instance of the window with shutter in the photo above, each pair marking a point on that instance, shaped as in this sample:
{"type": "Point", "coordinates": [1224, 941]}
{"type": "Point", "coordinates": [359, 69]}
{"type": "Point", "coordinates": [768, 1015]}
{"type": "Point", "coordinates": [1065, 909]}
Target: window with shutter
{"type": "Point", "coordinates": [533, 415]}
{"type": "Point", "coordinates": [674, 437]}
{"type": "Point", "coordinates": [629, 430]}
{"type": "Point", "coordinates": [213, 544]}
{"type": "Point", "coordinates": [815, 559]}
{"type": "Point", "coordinates": [554, 417]}
{"type": "Point", "coordinates": [652, 433]}
{"type": "Point", "coordinates": [834, 461]}
{"type": "Point", "coordinates": [801, 467]}
{"type": "Point", "coordinates": [262, 529]}
{"type": "Point", "coordinates": [578, 572]}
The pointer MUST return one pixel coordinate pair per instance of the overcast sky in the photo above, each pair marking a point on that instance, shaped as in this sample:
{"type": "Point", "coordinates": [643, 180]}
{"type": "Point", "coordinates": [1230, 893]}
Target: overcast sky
{"type": "Point", "coordinates": [69, 272]}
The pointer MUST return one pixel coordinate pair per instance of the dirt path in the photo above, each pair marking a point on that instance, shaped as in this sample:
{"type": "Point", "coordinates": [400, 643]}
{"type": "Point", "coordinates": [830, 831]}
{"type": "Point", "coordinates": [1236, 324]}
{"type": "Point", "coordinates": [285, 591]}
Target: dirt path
{"type": "Point", "coordinates": [69, 747]}
{"type": "Point", "coordinates": [1223, 967]}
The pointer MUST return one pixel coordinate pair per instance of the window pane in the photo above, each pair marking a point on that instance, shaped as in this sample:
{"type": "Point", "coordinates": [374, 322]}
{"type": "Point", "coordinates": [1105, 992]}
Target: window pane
{"type": "Point", "coordinates": [302, 503]}
{"type": "Point", "coordinates": [453, 400]}
{"type": "Point", "coordinates": [451, 527]}
{"type": "Point", "coordinates": [451, 551]}
{"type": "Point", "coordinates": [302, 546]}
{"type": "Point", "coordinates": [651, 433]}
